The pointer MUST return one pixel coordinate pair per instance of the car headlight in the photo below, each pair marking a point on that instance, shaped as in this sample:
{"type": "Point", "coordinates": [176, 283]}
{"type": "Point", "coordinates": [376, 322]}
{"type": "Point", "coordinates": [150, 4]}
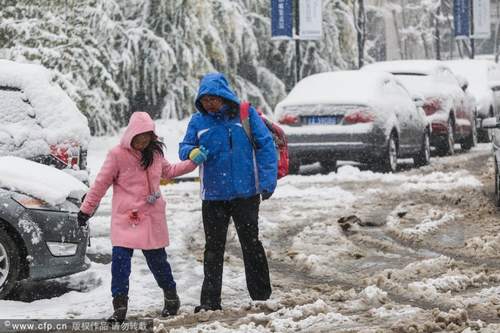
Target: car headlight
{"type": "Point", "coordinates": [30, 202]}
{"type": "Point", "coordinates": [33, 203]}
{"type": "Point", "coordinates": [62, 249]}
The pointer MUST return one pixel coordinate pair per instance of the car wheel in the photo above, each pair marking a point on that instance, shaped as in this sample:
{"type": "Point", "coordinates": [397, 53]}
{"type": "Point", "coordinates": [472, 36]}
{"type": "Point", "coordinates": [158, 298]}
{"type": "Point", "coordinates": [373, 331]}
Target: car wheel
{"type": "Point", "coordinates": [497, 185]}
{"type": "Point", "coordinates": [485, 135]}
{"type": "Point", "coordinates": [10, 265]}
{"type": "Point", "coordinates": [389, 162]}
{"type": "Point", "coordinates": [471, 140]}
{"type": "Point", "coordinates": [447, 147]}
{"type": "Point", "coordinates": [424, 156]}
{"type": "Point", "coordinates": [328, 166]}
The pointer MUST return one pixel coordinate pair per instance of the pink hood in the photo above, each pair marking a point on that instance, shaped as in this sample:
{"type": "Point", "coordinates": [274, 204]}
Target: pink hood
{"type": "Point", "coordinates": [140, 122]}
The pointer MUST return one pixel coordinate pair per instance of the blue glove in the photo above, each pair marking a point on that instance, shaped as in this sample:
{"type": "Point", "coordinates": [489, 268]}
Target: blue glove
{"type": "Point", "coordinates": [198, 155]}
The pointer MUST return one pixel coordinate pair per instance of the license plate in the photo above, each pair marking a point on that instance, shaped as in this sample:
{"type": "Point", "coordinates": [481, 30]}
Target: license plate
{"type": "Point", "coordinates": [320, 120]}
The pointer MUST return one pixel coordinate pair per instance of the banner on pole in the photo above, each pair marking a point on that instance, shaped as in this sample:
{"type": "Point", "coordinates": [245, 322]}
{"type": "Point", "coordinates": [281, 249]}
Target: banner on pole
{"type": "Point", "coordinates": [481, 18]}
{"type": "Point", "coordinates": [310, 19]}
{"type": "Point", "coordinates": [281, 19]}
{"type": "Point", "coordinates": [461, 18]}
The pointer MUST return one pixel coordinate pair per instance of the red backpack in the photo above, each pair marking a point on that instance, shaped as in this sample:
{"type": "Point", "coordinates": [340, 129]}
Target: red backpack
{"type": "Point", "coordinates": [279, 137]}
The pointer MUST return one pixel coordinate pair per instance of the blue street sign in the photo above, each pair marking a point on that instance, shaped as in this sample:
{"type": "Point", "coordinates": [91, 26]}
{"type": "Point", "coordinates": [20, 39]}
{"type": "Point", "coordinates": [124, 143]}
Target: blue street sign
{"type": "Point", "coordinates": [281, 19]}
{"type": "Point", "coordinates": [461, 16]}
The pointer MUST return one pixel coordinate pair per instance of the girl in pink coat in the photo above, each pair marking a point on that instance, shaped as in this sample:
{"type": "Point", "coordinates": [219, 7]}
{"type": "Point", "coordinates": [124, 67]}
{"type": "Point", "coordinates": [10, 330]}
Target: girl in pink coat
{"type": "Point", "coordinates": [134, 168]}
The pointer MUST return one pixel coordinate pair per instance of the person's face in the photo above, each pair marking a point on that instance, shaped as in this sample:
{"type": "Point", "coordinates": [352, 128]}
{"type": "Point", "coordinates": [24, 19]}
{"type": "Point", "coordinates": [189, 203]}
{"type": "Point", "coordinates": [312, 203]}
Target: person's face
{"type": "Point", "coordinates": [211, 103]}
{"type": "Point", "coordinates": [141, 141]}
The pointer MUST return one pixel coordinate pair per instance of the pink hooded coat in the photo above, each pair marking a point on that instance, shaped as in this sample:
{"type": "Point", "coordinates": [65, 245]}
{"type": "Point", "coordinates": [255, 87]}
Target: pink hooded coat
{"type": "Point", "coordinates": [135, 223]}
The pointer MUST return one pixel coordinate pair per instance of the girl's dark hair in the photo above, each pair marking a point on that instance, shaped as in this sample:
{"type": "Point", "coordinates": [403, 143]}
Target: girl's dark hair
{"type": "Point", "coordinates": [155, 146]}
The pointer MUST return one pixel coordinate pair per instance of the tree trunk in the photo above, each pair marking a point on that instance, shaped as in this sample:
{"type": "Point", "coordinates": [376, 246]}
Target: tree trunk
{"type": "Point", "coordinates": [361, 29]}
{"type": "Point", "coordinates": [398, 35]}
{"type": "Point", "coordinates": [497, 31]}
{"type": "Point", "coordinates": [403, 19]}
{"type": "Point", "coordinates": [438, 32]}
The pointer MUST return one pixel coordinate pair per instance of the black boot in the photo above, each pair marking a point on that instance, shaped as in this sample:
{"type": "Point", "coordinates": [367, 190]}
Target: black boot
{"type": "Point", "coordinates": [207, 307]}
{"type": "Point", "coordinates": [120, 304]}
{"type": "Point", "coordinates": [172, 302]}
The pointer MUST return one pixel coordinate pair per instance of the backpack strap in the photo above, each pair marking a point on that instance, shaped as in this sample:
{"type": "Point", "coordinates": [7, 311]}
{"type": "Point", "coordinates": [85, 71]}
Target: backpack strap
{"type": "Point", "coordinates": [245, 120]}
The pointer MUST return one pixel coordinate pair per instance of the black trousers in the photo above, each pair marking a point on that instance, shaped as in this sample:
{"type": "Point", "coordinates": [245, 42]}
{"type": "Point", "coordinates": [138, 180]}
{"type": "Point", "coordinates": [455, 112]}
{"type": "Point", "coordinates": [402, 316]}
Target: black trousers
{"type": "Point", "coordinates": [245, 214]}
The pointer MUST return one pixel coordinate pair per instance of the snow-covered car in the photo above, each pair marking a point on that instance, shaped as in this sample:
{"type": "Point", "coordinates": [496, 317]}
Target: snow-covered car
{"type": "Point", "coordinates": [483, 77]}
{"type": "Point", "coordinates": [39, 121]}
{"type": "Point", "coordinates": [493, 124]}
{"type": "Point", "coordinates": [361, 116]}
{"type": "Point", "coordinates": [450, 110]}
{"type": "Point", "coordinates": [39, 234]}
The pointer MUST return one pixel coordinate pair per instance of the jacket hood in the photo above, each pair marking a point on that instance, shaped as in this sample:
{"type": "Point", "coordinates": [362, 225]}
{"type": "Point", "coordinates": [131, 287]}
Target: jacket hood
{"type": "Point", "coordinates": [140, 122]}
{"type": "Point", "coordinates": [215, 84]}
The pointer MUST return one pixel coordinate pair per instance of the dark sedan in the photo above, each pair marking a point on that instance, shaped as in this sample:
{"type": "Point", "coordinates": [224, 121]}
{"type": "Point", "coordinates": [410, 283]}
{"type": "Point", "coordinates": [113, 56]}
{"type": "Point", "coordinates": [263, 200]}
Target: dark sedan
{"type": "Point", "coordinates": [37, 240]}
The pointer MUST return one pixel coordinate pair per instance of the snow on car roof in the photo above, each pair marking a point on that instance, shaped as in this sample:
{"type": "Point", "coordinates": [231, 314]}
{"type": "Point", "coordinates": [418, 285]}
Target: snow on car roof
{"type": "Point", "coordinates": [54, 119]}
{"type": "Point", "coordinates": [39, 180]}
{"type": "Point", "coordinates": [338, 87]}
{"type": "Point", "coordinates": [424, 67]}
{"type": "Point", "coordinates": [476, 71]}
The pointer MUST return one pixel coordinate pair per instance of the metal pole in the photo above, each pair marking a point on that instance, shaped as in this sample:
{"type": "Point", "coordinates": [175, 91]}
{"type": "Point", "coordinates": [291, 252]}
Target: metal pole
{"type": "Point", "coordinates": [472, 42]}
{"type": "Point", "coordinates": [298, 64]}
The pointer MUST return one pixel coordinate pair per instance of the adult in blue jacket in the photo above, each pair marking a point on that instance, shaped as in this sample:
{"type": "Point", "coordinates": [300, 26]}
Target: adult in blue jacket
{"type": "Point", "coordinates": [234, 177]}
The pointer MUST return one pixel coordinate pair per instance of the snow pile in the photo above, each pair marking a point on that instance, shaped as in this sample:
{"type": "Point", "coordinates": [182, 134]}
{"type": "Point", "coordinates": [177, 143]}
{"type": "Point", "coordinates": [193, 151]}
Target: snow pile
{"type": "Point", "coordinates": [308, 317]}
{"type": "Point", "coordinates": [320, 245]}
{"type": "Point", "coordinates": [431, 289]}
{"type": "Point", "coordinates": [371, 297]}
{"type": "Point", "coordinates": [407, 222]}
{"type": "Point", "coordinates": [394, 278]}
{"type": "Point", "coordinates": [392, 312]}
{"type": "Point", "coordinates": [36, 112]}
{"type": "Point", "coordinates": [39, 180]}
{"type": "Point", "coordinates": [484, 245]}
{"type": "Point", "coordinates": [402, 182]}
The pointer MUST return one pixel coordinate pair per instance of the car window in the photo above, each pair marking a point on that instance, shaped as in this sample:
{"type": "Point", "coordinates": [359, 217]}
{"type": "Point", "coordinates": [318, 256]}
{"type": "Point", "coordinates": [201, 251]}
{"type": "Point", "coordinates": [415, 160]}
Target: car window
{"type": "Point", "coordinates": [446, 75]}
{"type": "Point", "coordinates": [14, 106]}
{"type": "Point", "coordinates": [402, 89]}
{"type": "Point", "coordinates": [393, 87]}
{"type": "Point", "coordinates": [409, 74]}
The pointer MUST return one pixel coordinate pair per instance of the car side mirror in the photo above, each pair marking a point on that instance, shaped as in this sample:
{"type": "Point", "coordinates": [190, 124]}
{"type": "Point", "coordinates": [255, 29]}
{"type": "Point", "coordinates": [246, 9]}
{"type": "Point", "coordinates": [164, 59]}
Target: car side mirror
{"type": "Point", "coordinates": [490, 123]}
{"type": "Point", "coordinates": [418, 101]}
{"type": "Point", "coordinates": [494, 85]}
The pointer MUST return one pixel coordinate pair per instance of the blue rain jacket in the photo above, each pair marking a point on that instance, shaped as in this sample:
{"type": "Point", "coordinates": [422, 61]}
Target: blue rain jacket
{"type": "Point", "coordinates": [233, 169]}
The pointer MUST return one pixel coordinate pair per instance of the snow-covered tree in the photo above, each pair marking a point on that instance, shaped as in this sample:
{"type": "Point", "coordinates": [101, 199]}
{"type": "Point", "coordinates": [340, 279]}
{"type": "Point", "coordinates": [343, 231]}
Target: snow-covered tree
{"type": "Point", "coordinates": [118, 56]}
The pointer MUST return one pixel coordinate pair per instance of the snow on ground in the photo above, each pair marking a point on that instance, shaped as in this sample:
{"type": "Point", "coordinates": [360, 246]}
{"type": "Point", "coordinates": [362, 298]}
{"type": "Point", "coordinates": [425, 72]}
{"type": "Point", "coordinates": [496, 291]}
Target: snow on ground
{"type": "Point", "coordinates": [300, 231]}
